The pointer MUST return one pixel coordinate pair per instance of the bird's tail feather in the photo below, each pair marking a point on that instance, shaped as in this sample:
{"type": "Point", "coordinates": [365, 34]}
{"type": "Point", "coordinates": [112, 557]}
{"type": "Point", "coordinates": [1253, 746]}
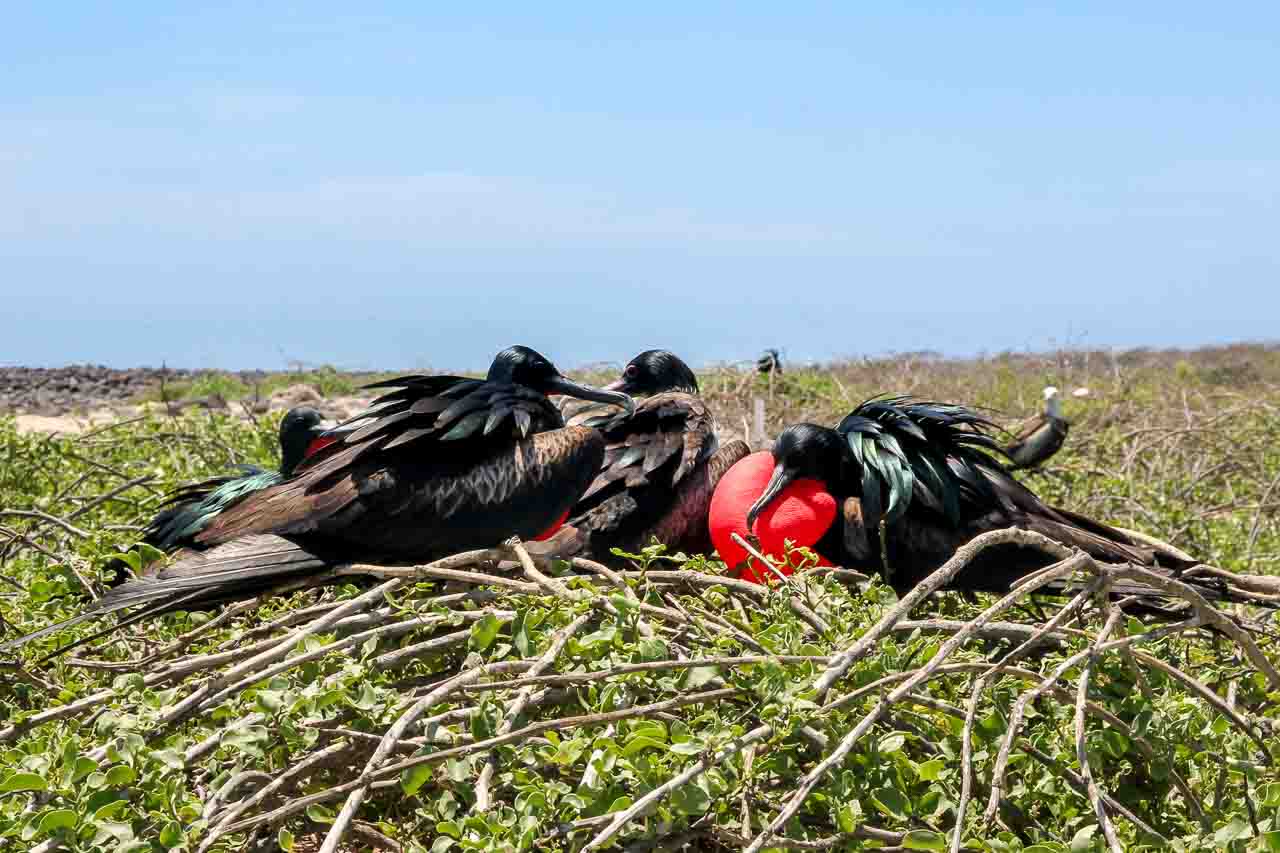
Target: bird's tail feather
{"type": "Point", "coordinates": [237, 569]}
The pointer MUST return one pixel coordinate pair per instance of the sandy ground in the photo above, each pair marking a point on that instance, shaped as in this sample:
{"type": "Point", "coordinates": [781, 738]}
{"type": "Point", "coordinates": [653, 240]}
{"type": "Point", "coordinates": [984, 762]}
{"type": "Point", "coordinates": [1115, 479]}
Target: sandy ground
{"type": "Point", "coordinates": [336, 409]}
{"type": "Point", "coordinates": [66, 424]}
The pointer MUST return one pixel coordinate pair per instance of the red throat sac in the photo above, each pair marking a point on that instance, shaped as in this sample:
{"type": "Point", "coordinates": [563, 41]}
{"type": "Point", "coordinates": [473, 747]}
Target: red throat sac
{"type": "Point", "coordinates": [319, 443]}
{"type": "Point", "coordinates": [803, 512]}
{"type": "Point", "coordinates": [551, 531]}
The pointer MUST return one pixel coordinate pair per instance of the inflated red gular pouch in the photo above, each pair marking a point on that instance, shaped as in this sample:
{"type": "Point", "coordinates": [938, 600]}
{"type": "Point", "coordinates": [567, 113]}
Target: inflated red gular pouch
{"type": "Point", "coordinates": [803, 512]}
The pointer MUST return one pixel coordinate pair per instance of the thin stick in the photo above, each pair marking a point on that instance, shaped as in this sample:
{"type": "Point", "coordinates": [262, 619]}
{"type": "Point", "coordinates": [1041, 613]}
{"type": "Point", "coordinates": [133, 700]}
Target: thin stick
{"type": "Point", "coordinates": [1082, 756]}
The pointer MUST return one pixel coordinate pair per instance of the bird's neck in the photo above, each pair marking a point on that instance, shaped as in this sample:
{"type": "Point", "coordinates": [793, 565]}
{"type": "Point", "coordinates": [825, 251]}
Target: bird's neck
{"type": "Point", "coordinates": [1053, 407]}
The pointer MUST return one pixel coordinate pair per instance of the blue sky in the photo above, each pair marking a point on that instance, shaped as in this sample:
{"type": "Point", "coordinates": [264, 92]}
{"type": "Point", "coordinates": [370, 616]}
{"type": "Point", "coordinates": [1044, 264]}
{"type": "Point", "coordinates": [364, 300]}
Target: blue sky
{"type": "Point", "coordinates": [412, 186]}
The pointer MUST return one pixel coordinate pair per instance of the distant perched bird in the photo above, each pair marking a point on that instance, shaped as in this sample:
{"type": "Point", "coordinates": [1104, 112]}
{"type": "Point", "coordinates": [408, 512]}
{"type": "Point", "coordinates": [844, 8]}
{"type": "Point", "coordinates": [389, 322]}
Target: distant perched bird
{"type": "Point", "coordinates": [769, 362]}
{"type": "Point", "coordinates": [441, 465]}
{"type": "Point", "coordinates": [1040, 437]}
{"type": "Point", "coordinates": [189, 509]}
{"type": "Point", "coordinates": [921, 469]}
{"type": "Point", "coordinates": [661, 463]}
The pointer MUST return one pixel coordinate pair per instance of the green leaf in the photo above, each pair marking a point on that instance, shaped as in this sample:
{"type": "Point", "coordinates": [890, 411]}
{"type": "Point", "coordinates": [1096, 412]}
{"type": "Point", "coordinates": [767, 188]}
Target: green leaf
{"type": "Point", "coordinates": [604, 635]}
{"type": "Point", "coordinates": [441, 844]}
{"type": "Point", "coordinates": [520, 635]}
{"type": "Point", "coordinates": [270, 700]}
{"type": "Point", "coordinates": [121, 775]}
{"type": "Point", "coordinates": [109, 810]}
{"type": "Point", "coordinates": [923, 839]}
{"type": "Point", "coordinates": [23, 782]}
{"type": "Point", "coordinates": [170, 758]}
{"type": "Point", "coordinates": [891, 802]}
{"type": "Point", "coordinates": [638, 744]}
{"type": "Point", "coordinates": [284, 838]}
{"type": "Point", "coordinates": [690, 800]}
{"type": "Point", "coordinates": [929, 771]}
{"type": "Point", "coordinates": [246, 739]}
{"type": "Point", "coordinates": [413, 778]}
{"type": "Point", "coordinates": [368, 698]}
{"type": "Point", "coordinates": [1235, 830]}
{"type": "Point", "coordinates": [485, 631]}
{"type": "Point", "coordinates": [688, 747]}
{"type": "Point", "coordinates": [1272, 841]}
{"type": "Point", "coordinates": [57, 820]}
{"type": "Point", "coordinates": [1117, 744]}
{"type": "Point", "coordinates": [1082, 842]}
{"type": "Point", "coordinates": [319, 813]}
{"type": "Point", "coordinates": [892, 743]}
{"type": "Point", "coordinates": [699, 676]}
{"type": "Point", "coordinates": [108, 829]}
{"type": "Point", "coordinates": [171, 836]}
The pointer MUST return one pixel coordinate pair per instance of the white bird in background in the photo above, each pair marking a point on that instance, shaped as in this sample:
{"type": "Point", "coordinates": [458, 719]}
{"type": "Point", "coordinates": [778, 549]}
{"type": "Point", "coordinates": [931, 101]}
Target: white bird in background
{"type": "Point", "coordinates": [1042, 436]}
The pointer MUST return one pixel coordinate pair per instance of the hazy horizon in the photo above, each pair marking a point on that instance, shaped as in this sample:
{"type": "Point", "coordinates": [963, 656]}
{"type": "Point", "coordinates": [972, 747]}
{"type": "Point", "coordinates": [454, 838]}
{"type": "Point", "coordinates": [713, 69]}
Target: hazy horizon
{"type": "Point", "coordinates": [238, 187]}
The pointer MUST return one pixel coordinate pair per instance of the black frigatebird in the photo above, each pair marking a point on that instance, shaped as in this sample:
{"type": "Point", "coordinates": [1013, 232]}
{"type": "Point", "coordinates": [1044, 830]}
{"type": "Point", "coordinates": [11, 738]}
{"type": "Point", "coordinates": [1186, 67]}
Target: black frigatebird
{"type": "Point", "coordinates": [188, 510]}
{"type": "Point", "coordinates": [1039, 437]}
{"type": "Point", "coordinates": [923, 469]}
{"type": "Point", "coordinates": [442, 464]}
{"type": "Point", "coordinates": [661, 463]}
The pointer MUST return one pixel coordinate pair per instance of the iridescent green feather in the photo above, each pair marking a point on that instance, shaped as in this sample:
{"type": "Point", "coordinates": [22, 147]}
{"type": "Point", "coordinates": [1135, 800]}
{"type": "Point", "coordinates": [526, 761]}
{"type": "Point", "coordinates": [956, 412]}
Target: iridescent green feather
{"type": "Point", "coordinates": [911, 450]}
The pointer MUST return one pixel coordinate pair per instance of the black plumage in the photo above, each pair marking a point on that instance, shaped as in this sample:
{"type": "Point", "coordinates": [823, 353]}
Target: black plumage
{"type": "Point", "coordinates": [440, 465]}
{"type": "Point", "coordinates": [661, 463]}
{"type": "Point", "coordinates": [925, 471]}
{"type": "Point", "coordinates": [188, 510]}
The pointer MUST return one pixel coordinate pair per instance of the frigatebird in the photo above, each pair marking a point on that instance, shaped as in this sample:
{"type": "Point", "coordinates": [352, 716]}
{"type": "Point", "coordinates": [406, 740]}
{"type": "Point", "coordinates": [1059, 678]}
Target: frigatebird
{"type": "Point", "coordinates": [188, 510]}
{"type": "Point", "coordinates": [770, 361]}
{"type": "Point", "coordinates": [440, 465]}
{"type": "Point", "coordinates": [1039, 437]}
{"type": "Point", "coordinates": [661, 463]}
{"type": "Point", "coordinates": [922, 469]}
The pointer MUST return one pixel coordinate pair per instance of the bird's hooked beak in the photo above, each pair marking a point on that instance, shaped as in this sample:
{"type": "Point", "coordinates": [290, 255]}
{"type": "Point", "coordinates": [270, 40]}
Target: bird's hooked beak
{"type": "Point", "coordinates": [780, 479]}
{"type": "Point", "coordinates": [620, 386]}
{"type": "Point", "coordinates": [561, 385]}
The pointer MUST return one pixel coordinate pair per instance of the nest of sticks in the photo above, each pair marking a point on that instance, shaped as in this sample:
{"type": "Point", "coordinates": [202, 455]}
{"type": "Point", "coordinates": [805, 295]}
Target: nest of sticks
{"type": "Point", "coordinates": [507, 700]}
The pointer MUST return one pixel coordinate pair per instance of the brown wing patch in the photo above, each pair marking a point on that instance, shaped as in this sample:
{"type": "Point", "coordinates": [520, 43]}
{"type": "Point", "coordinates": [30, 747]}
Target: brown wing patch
{"type": "Point", "coordinates": [668, 432]}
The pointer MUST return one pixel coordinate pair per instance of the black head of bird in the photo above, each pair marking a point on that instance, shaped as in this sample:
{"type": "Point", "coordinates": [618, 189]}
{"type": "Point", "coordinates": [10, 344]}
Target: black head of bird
{"type": "Point", "coordinates": [523, 366]}
{"type": "Point", "coordinates": [299, 428]}
{"type": "Point", "coordinates": [653, 372]}
{"type": "Point", "coordinates": [770, 361]}
{"type": "Point", "coordinates": [801, 451]}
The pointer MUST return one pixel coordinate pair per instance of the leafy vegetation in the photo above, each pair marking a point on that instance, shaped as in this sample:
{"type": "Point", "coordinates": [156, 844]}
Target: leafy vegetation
{"type": "Point", "coordinates": [542, 708]}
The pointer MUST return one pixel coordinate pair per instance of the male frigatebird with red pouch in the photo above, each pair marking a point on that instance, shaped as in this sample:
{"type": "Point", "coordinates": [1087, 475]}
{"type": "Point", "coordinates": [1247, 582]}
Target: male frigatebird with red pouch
{"type": "Point", "coordinates": [442, 464]}
{"type": "Point", "coordinates": [661, 463]}
{"type": "Point", "coordinates": [924, 470]}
